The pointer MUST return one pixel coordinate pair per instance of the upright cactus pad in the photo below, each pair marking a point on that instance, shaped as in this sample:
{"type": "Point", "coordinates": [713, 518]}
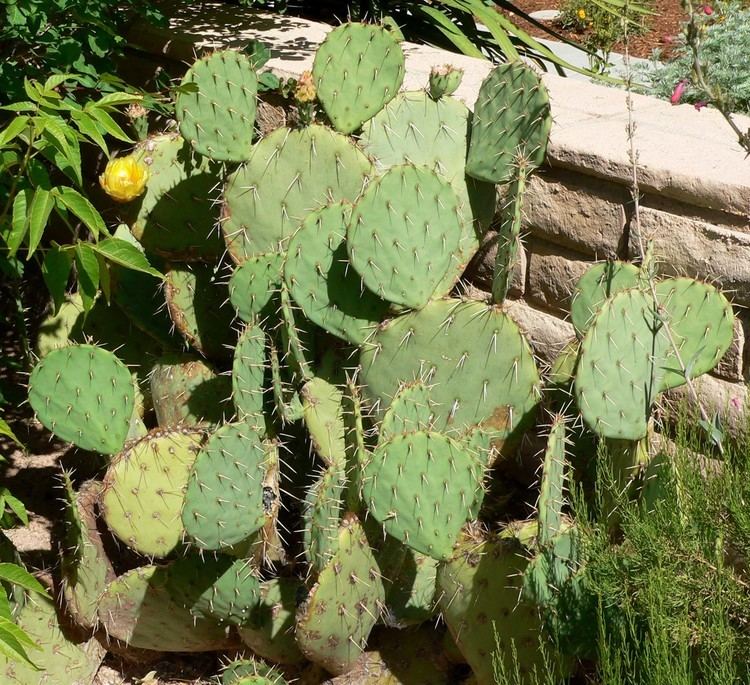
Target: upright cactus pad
{"type": "Point", "coordinates": [599, 283]}
{"type": "Point", "coordinates": [409, 411]}
{"type": "Point", "coordinates": [199, 307]}
{"type": "Point", "coordinates": [336, 619]}
{"type": "Point", "coordinates": [480, 593]}
{"type": "Point", "coordinates": [413, 128]}
{"type": "Point", "coordinates": [702, 325]}
{"type": "Point", "coordinates": [84, 395]}
{"type": "Point", "coordinates": [551, 492]}
{"type": "Point", "coordinates": [169, 222]}
{"type": "Point", "coordinates": [421, 487]}
{"type": "Point", "coordinates": [253, 285]}
{"type": "Point", "coordinates": [357, 70]}
{"type": "Point", "coordinates": [218, 588]}
{"type": "Point", "coordinates": [224, 498]}
{"type": "Point", "coordinates": [289, 174]}
{"type": "Point", "coordinates": [410, 598]}
{"type": "Point", "coordinates": [323, 415]}
{"type": "Point", "coordinates": [270, 631]}
{"type": "Point", "coordinates": [403, 233]}
{"type": "Point", "coordinates": [249, 374]}
{"type": "Point", "coordinates": [478, 366]}
{"type": "Point", "coordinates": [322, 514]}
{"type": "Point", "coordinates": [619, 375]}
{"type": "Point", "coordinates": [511, 117]}
{"type": "Point", "coordinates": [144, 490]}
{"type": "Point", "coordinates": [59, 659]}
{"type": "Point", "coordinates": [138, 609]}
{"type": "Point", "coordinates": [251, 672]}
{"type": "Point", "coordinates": [216, 106]}
{"type": "Point", "coordinates": [323, 283]}
{"type": "Point", "coordinates": [186, 391]}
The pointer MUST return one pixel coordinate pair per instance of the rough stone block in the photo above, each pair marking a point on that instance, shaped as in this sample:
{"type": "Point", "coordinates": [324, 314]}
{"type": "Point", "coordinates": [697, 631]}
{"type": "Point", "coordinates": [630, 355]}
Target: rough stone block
{"type": "Point", "coordinates": [730, 366]}
{"type": "Point", "coordinates": [580, 212]}
{"type": "Point", "coordinates": [546, 333]}
{"type": "Point", "coordinates": [689, 247]}
{"type": "Point", "coordinates": [482, 266]}
{"type": "Point", "coordinates": [553, 273]}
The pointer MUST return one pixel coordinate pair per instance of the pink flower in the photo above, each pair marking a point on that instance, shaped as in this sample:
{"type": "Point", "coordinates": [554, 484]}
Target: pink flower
{"type": "Point", "coordinates": [707, 10]}
{"type": "Point", "coordinates": [678, 92]}
{"type": "Point", "coordinates": [700, 105]}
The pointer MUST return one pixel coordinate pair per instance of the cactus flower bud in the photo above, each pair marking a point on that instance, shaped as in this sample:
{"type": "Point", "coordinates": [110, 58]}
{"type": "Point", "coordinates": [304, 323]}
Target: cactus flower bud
{"type": "Point", "coordinates": [678, 92]}
{"type": "Point", "coordinates": [125, 178]}
{"type": "Point", "coordinates": [305, 91]}
{"type": "Point", "coordinates": [708, 10]}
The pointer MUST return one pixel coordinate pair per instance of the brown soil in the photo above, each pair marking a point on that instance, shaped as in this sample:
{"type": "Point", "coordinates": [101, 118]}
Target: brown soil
{"type": "Point", "coordinates": [662, 26]}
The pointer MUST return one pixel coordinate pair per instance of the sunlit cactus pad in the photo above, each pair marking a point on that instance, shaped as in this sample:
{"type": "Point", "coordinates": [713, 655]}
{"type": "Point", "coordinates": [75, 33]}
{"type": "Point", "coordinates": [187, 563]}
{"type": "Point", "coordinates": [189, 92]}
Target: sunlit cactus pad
{"type": "Point", "coordinates": [84, 395]}
{"type": "Point", "coordinates": [144, 490]}
{"type": "Point", "coordinates": [357, 69]}
{"type": "Point", "coordinates": [216, 105]}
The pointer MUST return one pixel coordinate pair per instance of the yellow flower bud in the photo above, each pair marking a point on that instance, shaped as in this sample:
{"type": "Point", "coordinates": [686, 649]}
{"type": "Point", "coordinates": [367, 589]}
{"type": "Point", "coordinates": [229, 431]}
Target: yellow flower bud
{"type": "Point", "coordinates": [125, 178]}
{"type": "Point", "coordinates": [581, 13]}
{"type": "Point", "coordinates": [305, 91]}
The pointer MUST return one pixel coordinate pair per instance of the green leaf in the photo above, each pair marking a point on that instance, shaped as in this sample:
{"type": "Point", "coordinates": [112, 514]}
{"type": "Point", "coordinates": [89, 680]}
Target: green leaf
{"type": "Point", "coordinates": [15, 505]}
{"type": "Point", "coordinates": [88, 127]}
{"type": "Point", "coordinates": [88, 274]}
{"type": "Point", "coordinates": [115, 99]}
{"type": "Point", "coordinates": [23, 106]}
{"type": "Point", "coordinates": [21, 635]}
{"type": "Point", "coordinates": [10, 646]}
{"type": "Point", "coordinates": [33, 90]}
{"type": "Point", "coordinates": [108, 124]}
{"type": "Point", "coordinates": [56, 271]}
{"type": "Point", "coordinates": [452, 32]}
{"type": "Point", "coordinates": [13, 129]}
{"type": "Point", "coordinates": [57, 80]}
{"type": "Point", "coordinates": [16, 575]}
{"type": "Point", "coordinates": [41, 206]}
{"type": "Point", "coordinates": [19, 221]}
{"type": "Point", "coordinates": [77, 204]}
{"type": "Point", "coordinates": [6, 430]}
{"type": "Point", "coordinates": [104, 279]}
{"type": "Point", "coordinates": [125, 254]}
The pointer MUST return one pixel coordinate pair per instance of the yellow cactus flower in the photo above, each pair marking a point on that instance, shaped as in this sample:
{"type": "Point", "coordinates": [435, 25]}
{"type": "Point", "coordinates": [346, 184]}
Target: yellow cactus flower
{"type": "Point", "coordinates": [125, 178]}
{"type": "Point", "coordinates": [581, 13]}
{"type": "Point", "coordinates": [305, 91]}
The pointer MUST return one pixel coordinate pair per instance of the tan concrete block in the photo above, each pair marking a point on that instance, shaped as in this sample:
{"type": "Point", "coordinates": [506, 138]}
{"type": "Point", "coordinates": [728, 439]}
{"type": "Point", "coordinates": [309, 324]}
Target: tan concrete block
{"type": "Point", "coordinates": [578, 211]}
{"type": "Point", "coordinates": [553, 272]}
{"type": "Point", "coordinates": [687, 246]}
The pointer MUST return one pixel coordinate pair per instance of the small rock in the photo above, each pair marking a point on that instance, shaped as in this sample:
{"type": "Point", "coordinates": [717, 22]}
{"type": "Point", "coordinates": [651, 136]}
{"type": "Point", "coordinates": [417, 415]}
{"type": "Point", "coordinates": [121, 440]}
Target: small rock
{"type": "Point", "coordinates": [545, 15]}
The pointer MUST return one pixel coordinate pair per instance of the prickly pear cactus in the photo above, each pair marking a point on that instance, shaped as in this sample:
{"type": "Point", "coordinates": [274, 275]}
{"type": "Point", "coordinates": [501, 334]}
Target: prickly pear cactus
{"type": "Point", "coordinates": [216, 105]}
{"type": "Point", "coordinates": [357, 69]}
{"type": "Point", "coordinates": [84, 395]}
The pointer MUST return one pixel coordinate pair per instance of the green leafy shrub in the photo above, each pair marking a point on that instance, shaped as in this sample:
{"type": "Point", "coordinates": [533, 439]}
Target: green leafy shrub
{"type": "Point", "coordinates": [723, 50]}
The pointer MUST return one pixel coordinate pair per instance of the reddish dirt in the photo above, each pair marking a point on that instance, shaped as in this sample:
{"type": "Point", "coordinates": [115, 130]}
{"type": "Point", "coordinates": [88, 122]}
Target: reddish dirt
{"type": "Point", "coordinates": [662, 26]}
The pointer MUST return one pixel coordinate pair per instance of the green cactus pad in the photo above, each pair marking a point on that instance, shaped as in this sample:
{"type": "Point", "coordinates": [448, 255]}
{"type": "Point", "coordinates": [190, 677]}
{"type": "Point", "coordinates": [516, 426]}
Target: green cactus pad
{"type": "Point", "coordinates": [289, 174]}
{"type": "Point", "coordinates": [478, 366]}
{"type": "Point", "coordinates": [403, 233]}
{"type": "Point", "coordinates": [322, 514]}
{"type": "Point", "coordinates": [84, 395]}
{"type": "Point", "coordinates": [480, 592]}
{"type": "Point", "coordinates": [138, 609]}
{"type": "Point", "coordinates": [249, 374]}
{"type": "Point", "coordinates": [178, 214]}
{"type": "Point", "coordinates": [413, 128]}
{"type": "Point", "coordinates": [270, 631]}
{"type": "Point", "coordinates": [250, 672]}
{"type": "Point", "coordinates": [321, 281]}
{"type": "Point", "coordinates": [511, 117]}
{"type": "Point", "coordinates": [702, 325]}
{"type": "Point", "coordinates": [199, 307]}
{"type": "Point", "coordinates": [358, 68]}
{"type": "Point", "coordinates": [144, 490]}
{"type": "Point", "coordinates": [336, 619]}
{"type": "Point", "coordinates": [323, 415]}
{"type": "Point", "coordinates": [421, 487]}
{"type": "Point", "coordinates": [410, 598]}
{"type": "Point", "coordinates": [253, 285]}
{"type": "Point", "coordinates": [59, 660]}
{"type": "Point", "coordinates": [619, 374]}
{"type": "Point", "coordinates": [219, 588]}
{"type": "Point", "coordinates": [552, 489]}
{"type": "Point", "coordinates": [217, 113]}
{"type": "Point", "coordinates": [224, 498]}
{"type": "Point", "coordinates": [598, 284]}
{"type": "Point", "coordinates": [86, 570]}
{"type": "Point", "coordinates": [410, 410]}
{"type": "Point", "coordinates": [186, 391]}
